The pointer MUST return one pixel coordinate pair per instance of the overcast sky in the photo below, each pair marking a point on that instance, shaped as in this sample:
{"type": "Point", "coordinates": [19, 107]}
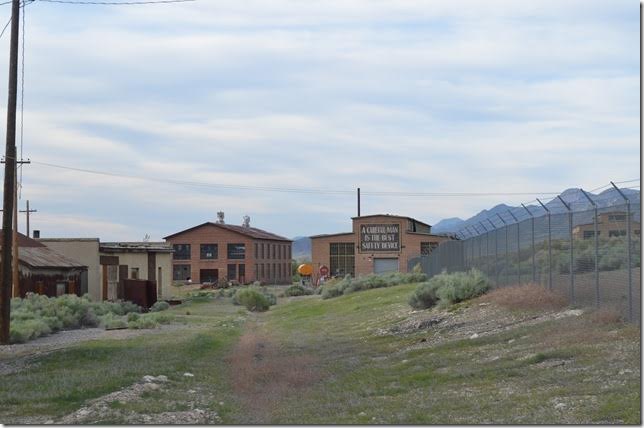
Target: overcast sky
{"type": "Point", "coordinates": [415, 96]}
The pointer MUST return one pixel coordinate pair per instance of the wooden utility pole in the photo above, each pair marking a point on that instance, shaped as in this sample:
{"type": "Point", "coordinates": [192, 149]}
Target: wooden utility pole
{"type": "Point", "coordinates": [14, 236]}
{"type": "Point", "coordinates": [9, 178]}
{"type": "Point", "coordinates": [28, 211]}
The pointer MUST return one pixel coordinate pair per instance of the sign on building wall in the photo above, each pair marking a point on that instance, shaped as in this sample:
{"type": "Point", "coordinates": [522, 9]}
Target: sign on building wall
{"type": "Point", "coordinates": [380, 237]}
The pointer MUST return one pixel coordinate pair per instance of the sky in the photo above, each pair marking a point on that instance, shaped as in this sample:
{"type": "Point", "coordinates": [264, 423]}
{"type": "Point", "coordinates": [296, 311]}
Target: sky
{"type": "Point", "coordinates": [408, 96]}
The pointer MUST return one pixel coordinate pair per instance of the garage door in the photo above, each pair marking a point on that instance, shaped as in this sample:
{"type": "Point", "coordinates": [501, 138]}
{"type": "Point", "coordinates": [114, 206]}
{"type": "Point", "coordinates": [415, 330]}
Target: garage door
{"type": "Point", "coordinates": [385, 265]}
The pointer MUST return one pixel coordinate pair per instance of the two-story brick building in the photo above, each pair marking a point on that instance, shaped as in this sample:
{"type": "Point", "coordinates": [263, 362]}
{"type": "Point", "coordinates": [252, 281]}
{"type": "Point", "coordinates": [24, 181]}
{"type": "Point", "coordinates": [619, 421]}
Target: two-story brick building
{"type": "Point", "coordinates": [215, 251]}
{"type": "Point", "coordinates": [378, 243]}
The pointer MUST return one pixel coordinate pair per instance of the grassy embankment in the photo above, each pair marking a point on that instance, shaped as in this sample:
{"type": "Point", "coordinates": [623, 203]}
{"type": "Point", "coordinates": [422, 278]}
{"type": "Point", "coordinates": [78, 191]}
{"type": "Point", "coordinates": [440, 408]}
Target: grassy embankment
{"type": "Point", "coordinates": [309, 360]}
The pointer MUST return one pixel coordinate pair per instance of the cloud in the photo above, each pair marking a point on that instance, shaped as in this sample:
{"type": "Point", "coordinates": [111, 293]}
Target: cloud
{"type": "Point", "coordinates": [382, 95]}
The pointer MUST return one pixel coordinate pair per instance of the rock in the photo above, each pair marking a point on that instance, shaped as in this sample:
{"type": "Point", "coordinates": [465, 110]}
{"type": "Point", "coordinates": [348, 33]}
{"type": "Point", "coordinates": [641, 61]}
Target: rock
{"type": "Point", "coordinates": [162, 378]}
{"type": "Point", "coordinates": [221, 403]}
{"type": "Point", "coordinates": [511, 341]}
{"type": "Point", "coordinates": [191, 391]}
{"type": "Point", "coordinates": [83, 412]}
{"type": "Point", "coordinates": [560, 406]}
{"type": "Point", "coordinates": [404, 361]}
{"type": "Point", "coordinates": [484, 304]}
{"type": "Point", "coordinates": [474, 336]}
{"type": "Point", "coordinates": [148, 378]}
{"type": "Point", "coordinates": [186, 374]}
{"type": "Point", "coordinates": [625, 371]}
{"type": "Point", "coordinates": [51, 421]}
{"type": "Point", "coordinates": [362, 414]}
{"type": "Point", "coordinates": [152, 386]}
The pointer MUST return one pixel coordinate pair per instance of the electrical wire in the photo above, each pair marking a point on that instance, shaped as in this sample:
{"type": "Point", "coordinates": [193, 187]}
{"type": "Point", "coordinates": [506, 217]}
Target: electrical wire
{"type": "Point", "coordinates": [115, 3]}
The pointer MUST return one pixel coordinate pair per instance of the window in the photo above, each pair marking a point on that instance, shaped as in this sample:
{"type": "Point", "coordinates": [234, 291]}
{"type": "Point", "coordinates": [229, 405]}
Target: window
{"type": "Point", "coordinates": [241, 272]}
{"type": "Point", "coordinates": [256, 272]}
{"type": "Point", "coordinates": [180, 272]}
{"type": "Point", "coordinates": [134, 273]}
{"type": "Point", "coordinates": [262, 250]}
{"type": "Point", "coordinates": [232, 271]}
{"type": "Point", "coordinates": [272, 251]}
{"type": "Point", "coordinates": [181, 252]}
{"type": "Point", "coordinates": [279, 252]}
{"type": "Point", "coordinates": [289, 252]}
{"type": "Point", "coordinates": [261, 269]}
{"type": "Point", "coordinates": [427, 247]}
{"type": "Point", "coordinates": [237, 251]}
{"type": "Point", "coordinates": [616, 233]}
{"type": "Point", "coordinates": [342, 258]}
{"type": "Point", "coordinates": [591, 234]}
{"type": "Point", "coordinates": [256, 249]}
{"type": "Point", "coordinates": [279, 271]}
{"type": "Point", "coordinates": [209, 251]}
{"type": "Point", "coordinates": [617, 217]}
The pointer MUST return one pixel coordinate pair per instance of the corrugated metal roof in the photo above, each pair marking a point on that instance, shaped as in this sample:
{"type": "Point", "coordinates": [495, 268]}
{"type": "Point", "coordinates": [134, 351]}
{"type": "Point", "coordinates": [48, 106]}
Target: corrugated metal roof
{"type": "Point", "coordinates": [135, 246]}
{"type": "Point", "coordinates": [45, 257]}
{"type": "Point", "coordinates": [252, 232]}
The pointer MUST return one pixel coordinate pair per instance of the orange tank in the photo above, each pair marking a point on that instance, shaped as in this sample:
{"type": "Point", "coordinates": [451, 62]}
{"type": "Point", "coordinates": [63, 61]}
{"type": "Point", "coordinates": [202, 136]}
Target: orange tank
{"type": "Point", "coordinates": [305, 269]}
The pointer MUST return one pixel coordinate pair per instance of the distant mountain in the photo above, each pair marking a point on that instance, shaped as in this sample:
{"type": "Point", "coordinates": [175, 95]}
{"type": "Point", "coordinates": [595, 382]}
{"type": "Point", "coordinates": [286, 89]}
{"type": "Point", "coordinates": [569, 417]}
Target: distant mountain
{"type": "Point", "coordinates": [573, 197]}
{"type": "Point", "coordinates": [302, 248]}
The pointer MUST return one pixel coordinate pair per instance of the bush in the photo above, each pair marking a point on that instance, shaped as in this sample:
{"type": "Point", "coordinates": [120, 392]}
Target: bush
{"type": "Point", "coordinates": [350, 285]}
{"type": "Point", "coordinates": [160, 306]}
{"type": "Point", "coordinates": [252, 299]}
{"type": "Point", "coordinates": [133, 316]}
{"type": "Point", "coordinates": [449, 288]}
{"type": "Point", "coordinates": [144, 322]}
{"type": "Point", "coordinates": [110, 321]}
{"type": "Point", "coordinates": [297, 290]}
{"type": "Point", "coordinates": [38, 315]}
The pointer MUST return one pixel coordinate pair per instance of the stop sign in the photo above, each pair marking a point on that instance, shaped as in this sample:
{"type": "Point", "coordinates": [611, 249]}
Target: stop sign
{"type": "Point", "coordinates": [324, 271]}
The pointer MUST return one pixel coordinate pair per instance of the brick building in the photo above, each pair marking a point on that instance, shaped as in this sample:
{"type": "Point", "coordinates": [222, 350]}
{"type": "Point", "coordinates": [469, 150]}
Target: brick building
{"type": "Point", "coordinates": [609, 225]}
{"type": "Point", "coordinates": [217, 251]}
{"type": "Point", "coordinates": [377, 244]}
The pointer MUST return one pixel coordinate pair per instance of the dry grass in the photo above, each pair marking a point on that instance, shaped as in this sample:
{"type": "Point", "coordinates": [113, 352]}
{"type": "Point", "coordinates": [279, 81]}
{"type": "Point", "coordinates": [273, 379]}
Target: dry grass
{"type": "Point", "coordinates": [263, 375]}
{"type": "Point", "coordinates": [530, 297]}
{"type": "Point", "coordinates": [606, 316]}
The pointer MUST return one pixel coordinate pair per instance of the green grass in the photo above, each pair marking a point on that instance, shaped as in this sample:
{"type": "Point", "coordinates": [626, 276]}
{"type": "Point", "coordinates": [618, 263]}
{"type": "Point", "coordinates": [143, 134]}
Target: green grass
{"type": "Point", "coordinates": [60, 382]}
{"type": "Point", "coordinates": [455, 382]}
{"type": "Point", "coordinates": [515, 376]}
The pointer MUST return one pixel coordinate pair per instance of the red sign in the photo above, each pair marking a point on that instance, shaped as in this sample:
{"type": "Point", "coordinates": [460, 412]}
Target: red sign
{"type": "Point", "coordinates": [324, 271]}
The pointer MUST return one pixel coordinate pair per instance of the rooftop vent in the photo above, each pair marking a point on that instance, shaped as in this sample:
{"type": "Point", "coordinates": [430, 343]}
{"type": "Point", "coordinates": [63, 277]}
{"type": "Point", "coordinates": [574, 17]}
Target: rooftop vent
{"type": "Point", "coordinates": [220, 217]}
{"type": "Point", "coordinates": [246, 222]}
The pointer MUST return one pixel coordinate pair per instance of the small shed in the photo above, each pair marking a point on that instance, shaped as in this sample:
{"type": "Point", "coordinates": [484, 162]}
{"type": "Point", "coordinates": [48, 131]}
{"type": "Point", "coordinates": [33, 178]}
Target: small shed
{"type": "Point", "coordinates": [45, 271]}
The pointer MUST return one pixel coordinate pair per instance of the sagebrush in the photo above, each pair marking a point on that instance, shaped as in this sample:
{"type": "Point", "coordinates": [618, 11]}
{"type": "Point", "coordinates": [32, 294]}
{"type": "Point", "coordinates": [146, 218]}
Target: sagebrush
{"type": "Point", "coordinates": [350, 285]}
{"type": "Point", "coordinates": [449, 288]}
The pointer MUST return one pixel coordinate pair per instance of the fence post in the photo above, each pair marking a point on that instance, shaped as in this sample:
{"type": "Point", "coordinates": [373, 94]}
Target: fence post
{"type": "Point", "coordinates": [534, 266]}
{"type": "Point", "coordinates": [518, 247]}
{"type": "Point", "coordinates": [496, 252]}
{"type": "Point", "coordinates": [572, 270]}
{"type": "Point", "coordinates": [596, 247]}
{"type": "Point", "coordinates": [549, 246]}
{"type": "Point", "coordinates": [628, 252]}
{"type": "Point", "coordinates": [507, 253]}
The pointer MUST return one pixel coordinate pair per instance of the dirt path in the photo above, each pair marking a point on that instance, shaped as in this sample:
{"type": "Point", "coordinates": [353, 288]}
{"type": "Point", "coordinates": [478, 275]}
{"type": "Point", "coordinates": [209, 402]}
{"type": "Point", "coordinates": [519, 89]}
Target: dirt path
{"type": "Point", "coordinates": [264, 373]}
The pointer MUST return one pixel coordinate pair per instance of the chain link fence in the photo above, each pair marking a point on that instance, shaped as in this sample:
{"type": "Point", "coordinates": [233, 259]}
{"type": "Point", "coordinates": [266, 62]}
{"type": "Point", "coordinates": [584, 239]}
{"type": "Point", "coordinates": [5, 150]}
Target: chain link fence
{"type": "Point", "coordinates": [590, 256]}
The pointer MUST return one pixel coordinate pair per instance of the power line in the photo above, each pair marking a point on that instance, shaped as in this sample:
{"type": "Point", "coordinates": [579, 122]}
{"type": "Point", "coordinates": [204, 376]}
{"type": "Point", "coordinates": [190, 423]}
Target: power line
{"type": "Point", "coordinates": [286, 189]}
{"type": "Point", "coordinates": [115, 3]}
{"type": "Point", "coordinates": [22, 100]}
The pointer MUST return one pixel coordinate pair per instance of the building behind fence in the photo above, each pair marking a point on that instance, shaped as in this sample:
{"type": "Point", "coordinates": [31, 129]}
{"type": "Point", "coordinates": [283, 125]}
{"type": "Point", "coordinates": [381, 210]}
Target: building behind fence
{"type": "Point", "coordinates": [591, 256]}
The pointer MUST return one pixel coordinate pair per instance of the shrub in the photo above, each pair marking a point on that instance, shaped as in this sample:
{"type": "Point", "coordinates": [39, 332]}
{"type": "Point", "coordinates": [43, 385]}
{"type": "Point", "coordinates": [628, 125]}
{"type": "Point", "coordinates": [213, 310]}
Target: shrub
{"type": "Point", "coordinates": [252, 299]}
{"type": "Point", "coordinates": [350, 285]}
{"type": "Point", "coordinates": [133, 316]}
{"type": "Point", "coordinates": [448, 288]}
{"type": "Point", "coordinates": [110, 321]}
{"type": "Point", "coordinates": [297, 290]}
{"type": "Point", "coordinates": [424, 296]}
{"type": "Point", "coordinates": [144, 322]}
{"type": "Point", "coordinates": [160, 306]}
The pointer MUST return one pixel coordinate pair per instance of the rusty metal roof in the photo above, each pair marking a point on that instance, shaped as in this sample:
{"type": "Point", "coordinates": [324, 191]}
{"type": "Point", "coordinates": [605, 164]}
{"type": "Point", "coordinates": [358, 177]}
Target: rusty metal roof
{"type": "Point", "coordinates": [45, 257]}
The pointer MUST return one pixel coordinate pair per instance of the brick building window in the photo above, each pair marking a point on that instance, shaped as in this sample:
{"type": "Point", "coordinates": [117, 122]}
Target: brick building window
{"type": "Point", "coordinates": [208, 251]}
{"type": "Point", "coordinates": [256, 250]}
{"type": "Point", "coordinates": [427, 247]}
{"type": "Point", "coordinates": [261, 270]}
{"type": "Point", "coordinates": [262, 250]}
{"type": "Point", "coordinates": [181, 252]}
{"type": "Point", "coordinates": [241, 270]}
{"type": "Point", "coordinates": [232, 272]}
{"type": "Point", "coordinates": [236, 251]}
{"type": "Point", "coordinates": [616, 233]}
{"type": "Point", "coordinates": [180, 272]}
{"type": "Point", "coordinates": [342, 258]}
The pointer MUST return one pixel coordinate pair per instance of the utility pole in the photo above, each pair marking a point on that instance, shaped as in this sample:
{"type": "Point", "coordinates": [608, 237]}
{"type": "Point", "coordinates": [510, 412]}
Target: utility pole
{"type": "Point", "coordinates": [9, 178]}
{"type": "Point", "coordinates": [28, 211]}
{"type": "Point", "coordinates": [358, 202]}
